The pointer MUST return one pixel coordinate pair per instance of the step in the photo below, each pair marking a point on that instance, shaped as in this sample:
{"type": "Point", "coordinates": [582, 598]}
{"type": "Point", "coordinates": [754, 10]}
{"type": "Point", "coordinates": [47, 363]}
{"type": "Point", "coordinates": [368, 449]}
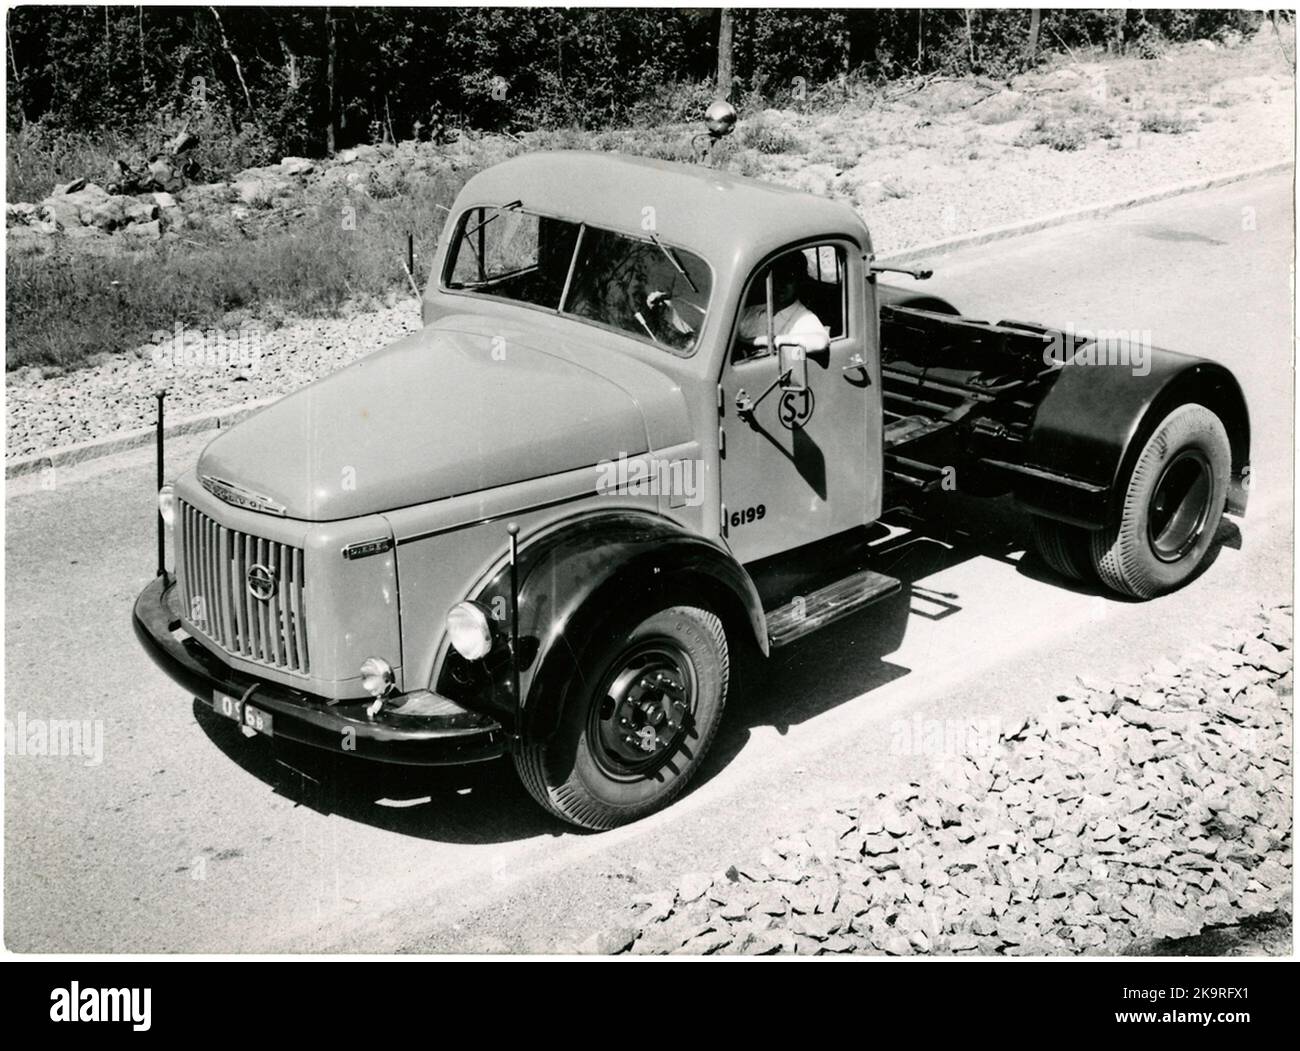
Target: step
{"type": "Point", "coordinates": [805, 614]}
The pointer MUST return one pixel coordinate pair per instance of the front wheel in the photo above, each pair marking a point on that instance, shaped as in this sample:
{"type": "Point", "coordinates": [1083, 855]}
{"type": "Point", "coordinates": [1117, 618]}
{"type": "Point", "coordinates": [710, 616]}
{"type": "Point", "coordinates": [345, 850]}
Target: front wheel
{"type": "Point", "coordinates": [1172, 506]}
{"type": "Point", "coordinates": [640, 715]}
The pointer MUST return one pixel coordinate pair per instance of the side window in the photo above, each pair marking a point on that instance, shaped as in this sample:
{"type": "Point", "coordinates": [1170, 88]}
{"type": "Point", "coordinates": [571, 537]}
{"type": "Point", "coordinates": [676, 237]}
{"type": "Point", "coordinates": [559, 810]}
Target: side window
{"type": "Point", "coordinates": [510, 253]}
{"type": "Point", "coordinates": [807, 288]}
{"type": "Point", "coordinates": [498, 244]}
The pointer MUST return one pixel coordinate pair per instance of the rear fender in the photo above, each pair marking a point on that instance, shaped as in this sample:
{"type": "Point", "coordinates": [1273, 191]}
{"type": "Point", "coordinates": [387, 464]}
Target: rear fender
{"type": "Point", "coordinates": [1095, 420]}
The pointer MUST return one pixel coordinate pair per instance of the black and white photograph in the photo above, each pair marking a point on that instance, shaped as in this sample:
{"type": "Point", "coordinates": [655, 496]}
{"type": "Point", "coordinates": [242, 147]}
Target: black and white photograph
{"type": "Point", "coordinates": [611, 482]}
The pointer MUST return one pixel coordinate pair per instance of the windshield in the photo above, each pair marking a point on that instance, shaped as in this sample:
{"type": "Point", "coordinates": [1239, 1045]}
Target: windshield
{"type": "Point", "coordinates": [643, 287]}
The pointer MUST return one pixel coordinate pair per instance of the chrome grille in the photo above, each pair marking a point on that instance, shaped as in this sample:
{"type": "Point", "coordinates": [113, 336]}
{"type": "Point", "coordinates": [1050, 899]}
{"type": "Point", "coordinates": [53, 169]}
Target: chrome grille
{"type": "Point", "coordinates": [214, 575]}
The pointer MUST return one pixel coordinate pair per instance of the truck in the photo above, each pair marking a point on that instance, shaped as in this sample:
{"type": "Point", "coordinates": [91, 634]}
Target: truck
{"type": "Point", "coordinates": [652, 410]}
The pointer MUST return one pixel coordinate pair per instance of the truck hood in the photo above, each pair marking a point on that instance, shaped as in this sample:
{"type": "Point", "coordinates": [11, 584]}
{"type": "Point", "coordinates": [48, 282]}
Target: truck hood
{"type": "Point", "coordinates": [458, 407]}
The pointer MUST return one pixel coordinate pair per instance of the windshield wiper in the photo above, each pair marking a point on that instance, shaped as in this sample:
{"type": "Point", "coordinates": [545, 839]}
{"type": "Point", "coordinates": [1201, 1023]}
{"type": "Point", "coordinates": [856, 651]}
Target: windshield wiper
{"type": "Point", "coordinates": [671, 256]}
{"type": "Point", "coordinates": [512, 206]}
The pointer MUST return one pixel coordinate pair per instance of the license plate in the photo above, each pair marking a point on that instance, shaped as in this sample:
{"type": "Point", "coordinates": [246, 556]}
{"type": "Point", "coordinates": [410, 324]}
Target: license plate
{"type": "Point", "coordinates": [253, 719]}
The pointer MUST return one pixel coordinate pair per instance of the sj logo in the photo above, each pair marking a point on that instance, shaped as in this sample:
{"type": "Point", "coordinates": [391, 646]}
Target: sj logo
{"type": "Point", "coordinates": [796, 408]}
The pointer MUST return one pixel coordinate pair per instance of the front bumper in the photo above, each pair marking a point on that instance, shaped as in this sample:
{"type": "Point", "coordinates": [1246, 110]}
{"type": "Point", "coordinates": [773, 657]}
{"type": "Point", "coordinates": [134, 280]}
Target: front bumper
{"type": "Point", "coordinates": [450, 736]}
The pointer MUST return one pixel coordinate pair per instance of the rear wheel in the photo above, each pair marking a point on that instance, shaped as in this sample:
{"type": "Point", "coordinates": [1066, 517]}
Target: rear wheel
{"type": "Point", "coordinates": [640, 716]}
{"type": "Point", "coordinates": [1066, 549]}
{"type": "Point", "coordinates": [1172, 506]}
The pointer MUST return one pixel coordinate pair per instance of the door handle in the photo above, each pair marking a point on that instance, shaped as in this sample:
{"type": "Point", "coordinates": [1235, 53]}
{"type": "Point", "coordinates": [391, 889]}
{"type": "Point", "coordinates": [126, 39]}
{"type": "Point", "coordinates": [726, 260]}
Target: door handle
{"type": "Point", "coordinates": [855, 363]}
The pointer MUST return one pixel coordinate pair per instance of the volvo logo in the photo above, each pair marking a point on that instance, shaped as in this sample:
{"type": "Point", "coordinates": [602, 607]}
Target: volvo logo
{"type": "Point", "coordinates": [239, 496]}
{"type": "Point", "coordinates": [261, 582]}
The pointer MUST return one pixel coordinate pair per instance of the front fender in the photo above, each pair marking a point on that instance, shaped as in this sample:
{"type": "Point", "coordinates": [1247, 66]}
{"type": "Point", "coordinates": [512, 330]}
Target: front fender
{"type": "Point", "coordinates": [580, 582]}
{"type": "Point", "coordinates": [1095, 420]}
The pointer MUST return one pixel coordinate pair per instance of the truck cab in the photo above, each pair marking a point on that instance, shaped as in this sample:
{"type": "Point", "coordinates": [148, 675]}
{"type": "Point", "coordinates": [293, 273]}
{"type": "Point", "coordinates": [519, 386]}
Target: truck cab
{"type": "Point", "coordinates": [543, 525]}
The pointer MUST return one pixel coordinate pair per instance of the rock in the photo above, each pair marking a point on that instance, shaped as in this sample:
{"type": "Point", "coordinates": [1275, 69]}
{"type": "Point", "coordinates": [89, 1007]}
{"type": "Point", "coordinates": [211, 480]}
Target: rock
{"type": "Point", "coordinates": [693, 886]}
{"type": "Point", "coordinates": [659, 907]}
{"type": "Point", "coordinates": [164, 200]}
{"type": "Point", "coordinates": [45, 221]}
{"type": "Point", "coordinates": [109, 213]}
{"type": "Point", "coordinates": [364, 154]}
{"type": "Point", "coordinates": [895, 823]}
{"type": "Point", "coordinates": [609, 942]}
{"type": "Point", "coordinates": [296, 166]}
{"type": "Point", "coordinates": [74, 209]}
{"type": "Point", "coordinates": [705, 944]}
{"type": "Point", "coordinates": [656, 942]}
{"type": "Point", "coordinates": [19, 214]}
{"type": "Point", "coordinates": [895, 945]}
{"type": "Point", "coordinates": [150, 231]}
{"type": "Point", "coordinates": [757, 943]}
{"type": "Point", "coordinates": [1261, 654]}
{"type": "Point", "coordinates": [164, 176]}
{"type": "Point", "coordinates": [138, 211]}
{"type": "Point", "coordinates": [63, 189]}
{"type": "Point", "coordinates": [1105, 829]}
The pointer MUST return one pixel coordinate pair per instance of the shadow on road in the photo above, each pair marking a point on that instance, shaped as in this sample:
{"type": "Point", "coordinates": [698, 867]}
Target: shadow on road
{"type": "Point", "coordinates": [485, 803]}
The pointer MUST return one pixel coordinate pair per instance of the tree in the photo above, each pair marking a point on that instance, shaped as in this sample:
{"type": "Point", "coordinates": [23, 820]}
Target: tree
{"type": "Point", "coordinates": [725, 27]}
{"type": "Point", "coordinates": [1031, 47]}
{"type": "Point", "coordinates": [331, 114]}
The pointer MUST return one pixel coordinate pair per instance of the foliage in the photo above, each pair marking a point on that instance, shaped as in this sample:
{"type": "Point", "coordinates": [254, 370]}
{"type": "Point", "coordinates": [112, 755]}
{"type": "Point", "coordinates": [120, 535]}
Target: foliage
{"type": "Point", "coordinates": [255, 82]}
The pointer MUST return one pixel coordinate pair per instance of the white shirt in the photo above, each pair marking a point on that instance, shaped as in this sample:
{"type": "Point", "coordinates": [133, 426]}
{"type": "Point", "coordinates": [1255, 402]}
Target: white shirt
{"type": "Point", "coordinates": [794, 320]}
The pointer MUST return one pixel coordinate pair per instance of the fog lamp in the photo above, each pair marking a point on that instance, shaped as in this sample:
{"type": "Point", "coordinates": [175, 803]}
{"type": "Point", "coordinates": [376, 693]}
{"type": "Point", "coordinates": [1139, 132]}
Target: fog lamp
{"type": "Point", "coordinates": [167, 504]}
{"type": "Point", "coordinates": [376, 676]}
{"type": "Point", "coordinates": [469, 631]}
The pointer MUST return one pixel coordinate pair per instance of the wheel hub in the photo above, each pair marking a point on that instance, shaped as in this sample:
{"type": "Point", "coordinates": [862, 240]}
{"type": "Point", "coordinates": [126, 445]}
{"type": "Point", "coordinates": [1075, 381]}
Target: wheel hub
{"type": "Point", "coordinates": [643, 710]}
{"type": "Point", "coordinates": [1179, 507]}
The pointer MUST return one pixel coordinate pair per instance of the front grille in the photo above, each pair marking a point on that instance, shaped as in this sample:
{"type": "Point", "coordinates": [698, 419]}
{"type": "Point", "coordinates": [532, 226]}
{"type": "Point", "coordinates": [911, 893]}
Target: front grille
{"type": "Point", "coordinates": [217, 602]}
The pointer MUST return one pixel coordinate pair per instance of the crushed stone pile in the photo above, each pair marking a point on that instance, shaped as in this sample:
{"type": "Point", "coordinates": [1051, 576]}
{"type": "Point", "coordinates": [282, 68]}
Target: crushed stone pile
{"type": "Point", "coordinates": [1137, 811]}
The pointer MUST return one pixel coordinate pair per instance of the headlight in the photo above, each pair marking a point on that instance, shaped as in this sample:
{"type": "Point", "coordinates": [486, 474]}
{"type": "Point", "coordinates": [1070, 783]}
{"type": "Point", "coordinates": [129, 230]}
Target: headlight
{"type": "Point", "coordinates": [376, 676]}
{"type": "Point", "coordinates": [167, 504]}
{"type": "Point", "coordinates": [469, 631]}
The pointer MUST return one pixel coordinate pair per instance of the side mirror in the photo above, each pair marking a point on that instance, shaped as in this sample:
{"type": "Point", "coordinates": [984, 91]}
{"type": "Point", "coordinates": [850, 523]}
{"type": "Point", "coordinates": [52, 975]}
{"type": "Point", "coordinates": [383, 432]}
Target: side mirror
{"type": "Point", "coordinates": [793, 352]}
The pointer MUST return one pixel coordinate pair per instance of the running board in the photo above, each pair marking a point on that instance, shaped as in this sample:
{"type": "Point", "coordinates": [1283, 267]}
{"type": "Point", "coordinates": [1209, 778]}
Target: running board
{"type": "Point", "coordinates": [805, 614]}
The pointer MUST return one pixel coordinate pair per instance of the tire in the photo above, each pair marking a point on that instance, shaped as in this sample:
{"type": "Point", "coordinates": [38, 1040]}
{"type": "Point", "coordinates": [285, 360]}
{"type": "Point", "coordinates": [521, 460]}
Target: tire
{"type": "Point", "coordinates": [1066, 549]}
{"type": "Point", "coordinates": [1173, 502]}
{"type": "Point", "coordinates": [589, 772]}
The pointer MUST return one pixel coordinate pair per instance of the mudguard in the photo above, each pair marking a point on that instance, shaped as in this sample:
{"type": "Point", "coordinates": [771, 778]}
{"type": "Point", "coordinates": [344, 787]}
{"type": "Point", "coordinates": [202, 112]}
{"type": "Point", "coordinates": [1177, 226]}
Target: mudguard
{"type": "Point", "coordinates": [580, 582]}
{"type": "Point", "coordinates": [1096, 418]}
{"type": "Point", "coordinates": [893, 296]}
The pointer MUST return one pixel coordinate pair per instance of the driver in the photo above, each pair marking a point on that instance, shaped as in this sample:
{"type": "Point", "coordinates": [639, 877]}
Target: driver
{"type": "Point", "coordinates": [791, 317]}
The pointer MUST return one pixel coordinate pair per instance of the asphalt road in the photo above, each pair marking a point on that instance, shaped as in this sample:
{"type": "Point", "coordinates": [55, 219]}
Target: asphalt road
{"type": "Point", "coordinates": [185, 837]}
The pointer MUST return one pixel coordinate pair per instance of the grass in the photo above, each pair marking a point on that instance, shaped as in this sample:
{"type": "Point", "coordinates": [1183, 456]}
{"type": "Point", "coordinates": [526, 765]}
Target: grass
{"type": "Point", "coordinates": [765, 138]}
{"type": "Point", "coordinates": [1058, 134]}
{"type": "Point", "coordinates": [1166, 123]}
{"type": "Point", "coordinates": [37, 161]}
{"type": "Point", "coordinates": [64, 308]}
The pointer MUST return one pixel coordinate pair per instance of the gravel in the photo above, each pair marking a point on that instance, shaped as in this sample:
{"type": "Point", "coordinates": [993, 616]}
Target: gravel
{"type": "Point", "coordinates": [1108, 827]}
{"type": "Point", "coordinates": [116, 395]}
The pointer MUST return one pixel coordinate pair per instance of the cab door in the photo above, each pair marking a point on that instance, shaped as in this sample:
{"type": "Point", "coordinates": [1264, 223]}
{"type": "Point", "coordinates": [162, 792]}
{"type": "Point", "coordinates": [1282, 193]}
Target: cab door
{"type": "Point", "coordinates": [803, 465]}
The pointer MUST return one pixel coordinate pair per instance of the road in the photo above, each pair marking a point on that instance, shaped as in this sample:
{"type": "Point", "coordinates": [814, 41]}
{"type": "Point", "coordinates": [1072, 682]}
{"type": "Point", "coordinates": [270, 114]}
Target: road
{"type": "Point", "coordinates": [186, 838]}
